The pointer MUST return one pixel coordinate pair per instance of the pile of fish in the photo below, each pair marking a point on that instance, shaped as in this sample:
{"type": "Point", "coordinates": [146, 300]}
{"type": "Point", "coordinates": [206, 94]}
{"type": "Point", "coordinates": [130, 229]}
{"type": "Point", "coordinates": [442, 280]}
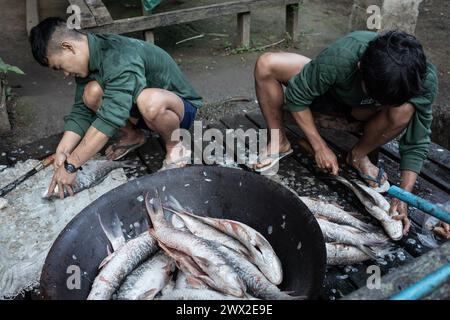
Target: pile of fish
{"type": "Point", "coordinates": [348, 239]}
{"type": "Point", "coordinates": [188, 257]}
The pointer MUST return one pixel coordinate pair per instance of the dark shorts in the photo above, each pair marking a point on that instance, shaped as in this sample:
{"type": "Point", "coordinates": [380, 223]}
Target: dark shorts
{"type": "Point", "coordinates": [189, 116]}
{"type": "Point", "coordinates": [328, 105]}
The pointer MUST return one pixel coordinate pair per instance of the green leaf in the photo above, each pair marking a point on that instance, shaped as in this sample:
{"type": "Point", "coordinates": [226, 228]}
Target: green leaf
{"type": "Point", "coordinates": [14, 69]}
{"type": "Point", "coordinates": [4, 68]}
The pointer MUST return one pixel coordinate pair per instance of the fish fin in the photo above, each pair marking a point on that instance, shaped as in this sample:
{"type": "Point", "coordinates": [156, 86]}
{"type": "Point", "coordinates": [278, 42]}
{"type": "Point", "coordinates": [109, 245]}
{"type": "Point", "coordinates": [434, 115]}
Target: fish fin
{"type": "Point", "coordinates": [369, 251]}
{"type": "Point", "coordinates": [149, 295]}
{"type": "Point", "coordinates": [106, 260]}
{"type": "Point", "coordinates": [175, 204]}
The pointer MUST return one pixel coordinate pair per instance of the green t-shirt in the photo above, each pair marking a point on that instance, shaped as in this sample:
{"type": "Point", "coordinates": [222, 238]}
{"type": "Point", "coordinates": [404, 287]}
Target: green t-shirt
{"type": "Point", "coordinates": [335, 70]}
{"type": "Point", "coordinates": [124, 67]}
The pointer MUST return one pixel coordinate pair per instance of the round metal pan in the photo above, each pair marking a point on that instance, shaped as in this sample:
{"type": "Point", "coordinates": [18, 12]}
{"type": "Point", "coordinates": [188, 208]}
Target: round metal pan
{"type": "Point", "coordinates": [208, 191]}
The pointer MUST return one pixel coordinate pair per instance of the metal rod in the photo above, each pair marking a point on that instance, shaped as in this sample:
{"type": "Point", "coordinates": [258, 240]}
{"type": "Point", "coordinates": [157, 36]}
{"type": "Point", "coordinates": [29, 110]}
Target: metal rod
{"type": "Point", "coordinates": [425, 286]}
{"type": "Point", "coordinates": [419, 203]}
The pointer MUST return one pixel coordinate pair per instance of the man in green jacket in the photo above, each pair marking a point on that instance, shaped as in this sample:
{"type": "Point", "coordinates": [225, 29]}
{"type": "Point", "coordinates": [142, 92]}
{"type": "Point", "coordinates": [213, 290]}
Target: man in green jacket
{"type": "Point", "coordinates": [122, 83]}
{"type": "Point", "coordinates": [381, 79]}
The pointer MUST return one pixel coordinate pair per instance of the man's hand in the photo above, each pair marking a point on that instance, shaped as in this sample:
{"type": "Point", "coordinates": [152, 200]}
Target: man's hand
{"type": "Point", "coordinates": [60, 157]}
{"type": "Point", "coordinates": [442, 229]}
{"type": "Point", "coordinates": [326, 159]}
{"type": "Point", "coordinates": [62, 179]}
{"type": "Point", "coordinates": [401, 208]}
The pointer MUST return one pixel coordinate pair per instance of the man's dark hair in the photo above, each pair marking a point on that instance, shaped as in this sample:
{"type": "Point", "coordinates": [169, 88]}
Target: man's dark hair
{"type": "Point", "coordinates": [394, 68]}
{"type": "Point", "coordinates": [46, 36]}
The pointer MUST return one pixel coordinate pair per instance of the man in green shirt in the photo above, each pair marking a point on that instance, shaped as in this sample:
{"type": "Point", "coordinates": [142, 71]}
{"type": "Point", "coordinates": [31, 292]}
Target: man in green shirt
{"type": "Point", "coordinates": [383, 80]}
{"type": "Point", "coordinates": [122, 83]}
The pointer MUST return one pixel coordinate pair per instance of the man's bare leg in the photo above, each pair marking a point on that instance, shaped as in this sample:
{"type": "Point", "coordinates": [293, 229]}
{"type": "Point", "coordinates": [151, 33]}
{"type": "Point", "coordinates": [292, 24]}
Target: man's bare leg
{"type": "Point", "coordinates": [272, 71]}
{"type": "Point", "coordinates": [381, 128]}
{"type": "Point", "coordinates": [92, 97]}
{"type": "Point", "coordinates": [163, 112]}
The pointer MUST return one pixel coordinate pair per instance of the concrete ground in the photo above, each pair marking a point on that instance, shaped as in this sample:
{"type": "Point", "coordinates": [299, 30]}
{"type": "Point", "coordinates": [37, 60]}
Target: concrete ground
{"type": "Point", "coordinates": [218, 70]}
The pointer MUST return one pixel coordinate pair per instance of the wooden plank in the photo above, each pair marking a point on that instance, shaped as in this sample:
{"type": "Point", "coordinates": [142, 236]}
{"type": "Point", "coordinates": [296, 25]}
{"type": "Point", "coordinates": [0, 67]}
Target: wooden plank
{"type": "Point", "coordinates": [188, 15]}
{"type": "Point", "coordinates": [292, 21]}
{"type": "Point", "coordinates": [152, 154]}
{"type": "Point", "coordinates": [32, 14]}
{"type": "Point", "coordinates": [87, 18]}
{"type": "Point", "coordinates": [407, 275]}
{"type": "Point", "coordinates": [244, 19]}
{"type": "Point", "coordinates": [336, 285]}
{"type": "Point", "coordinates": [100, 12]}
{"type": "Point", "coordinates": [439, 155]}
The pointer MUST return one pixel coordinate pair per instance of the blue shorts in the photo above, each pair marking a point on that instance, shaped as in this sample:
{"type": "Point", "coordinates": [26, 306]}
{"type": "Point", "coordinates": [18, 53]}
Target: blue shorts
{"type": "Point", "coordinates": [189, 116]}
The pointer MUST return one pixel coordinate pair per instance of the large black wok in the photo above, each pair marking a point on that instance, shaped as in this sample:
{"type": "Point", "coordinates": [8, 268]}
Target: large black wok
{"type": "Point", "coordinates": [211, 191]}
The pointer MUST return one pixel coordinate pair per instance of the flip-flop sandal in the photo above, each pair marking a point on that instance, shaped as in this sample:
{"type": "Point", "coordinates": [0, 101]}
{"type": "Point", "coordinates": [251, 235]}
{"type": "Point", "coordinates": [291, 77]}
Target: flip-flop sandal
{"type": "Point", "coordinates": [176, 164]}
{"type": "Point", "coordinates": [275, 158]}
{"type": "Point", "coordinates": [128, 147]}
{"type": "Point", "coordinates": [381, 188]}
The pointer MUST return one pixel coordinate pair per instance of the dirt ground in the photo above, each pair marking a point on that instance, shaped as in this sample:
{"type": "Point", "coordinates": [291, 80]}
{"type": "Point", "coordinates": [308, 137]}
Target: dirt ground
{"type": "Point", "coordinates": [216, 68]}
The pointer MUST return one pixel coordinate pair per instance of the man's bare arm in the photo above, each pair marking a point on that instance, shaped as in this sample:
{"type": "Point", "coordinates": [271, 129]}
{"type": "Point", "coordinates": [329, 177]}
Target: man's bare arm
{"type": "Point", "coordinates": [325, 158]}
{"type": "Point", "coordinates": [93, 142]}
{"type": "Point", "coordinates": [65, 147]}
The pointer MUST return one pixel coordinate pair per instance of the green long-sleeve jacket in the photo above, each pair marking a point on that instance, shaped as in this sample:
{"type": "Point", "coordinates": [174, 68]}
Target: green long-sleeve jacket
{"type": "Point", "coordinates": [336, 70]}
{"type": "Point", "coordinates": [124, 67]}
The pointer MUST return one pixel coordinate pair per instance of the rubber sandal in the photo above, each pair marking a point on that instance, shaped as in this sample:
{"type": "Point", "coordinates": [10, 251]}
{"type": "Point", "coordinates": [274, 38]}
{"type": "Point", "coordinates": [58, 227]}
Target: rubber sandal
{"type": "Point", "coordinates": [381, 187]}
{"type": "Point", "coordinates": [176, 164]}
{"type": "Point", "coordinates": [128, 147]}
{"type": "Point", "coordinates": [276, 158]}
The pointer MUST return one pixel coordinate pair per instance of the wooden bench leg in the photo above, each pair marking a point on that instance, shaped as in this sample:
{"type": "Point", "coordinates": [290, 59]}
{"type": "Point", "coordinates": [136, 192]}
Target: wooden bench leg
{"type": "Point", "coordinates": [292, 21]}
{"type": "Point", "coordinates": [244, 29]}
{"type": "Point", "coordinates": [32, 14]}
{"type": "Point", "coordinates": [149, 36]}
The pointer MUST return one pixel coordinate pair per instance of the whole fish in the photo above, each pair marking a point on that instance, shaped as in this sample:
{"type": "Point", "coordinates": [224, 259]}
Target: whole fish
{"type": "Point", "coordinates": [92, 174]}
{"type": "Point", "coordinates": [195, 294]}
{"type": "Point", "coordinates": [124, 260]}
{"type": "Point", "coordinates": [335, 214]}
{"type": "Point", "coordinates": [344, 254]}
{"type": "Point", "coordinates": [260, 250]}
{"type": "Point", "coordinates": [256, 282]}
{"type": "Point", "coordinates": [377, 206]}
{"type": "Point", "coordinates": [205, 231]}
{"type": "Point", "coordinates": [147, 280]}
{"type": "Point", "coordinates": [344, 234]}
{"type": "Point", "coordinates": [193, 254]}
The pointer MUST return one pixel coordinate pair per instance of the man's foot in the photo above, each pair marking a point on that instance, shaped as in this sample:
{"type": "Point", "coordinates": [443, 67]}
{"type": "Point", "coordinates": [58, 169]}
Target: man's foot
{"type": "Point", "coordinates": [272, 154]}
{"type": "Point", "coordinates": [131, 140]}
{"type": "Point", "coordinates": [177, 157]}
{"type": "Point", "coordinates": [367, 169]}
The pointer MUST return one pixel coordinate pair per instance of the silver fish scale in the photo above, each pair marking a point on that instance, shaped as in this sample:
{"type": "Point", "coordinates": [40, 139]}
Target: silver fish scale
{"type": "Point", "coordinates": [255, 281]}
{"type": "Point", "coordinates": [122, 263]}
